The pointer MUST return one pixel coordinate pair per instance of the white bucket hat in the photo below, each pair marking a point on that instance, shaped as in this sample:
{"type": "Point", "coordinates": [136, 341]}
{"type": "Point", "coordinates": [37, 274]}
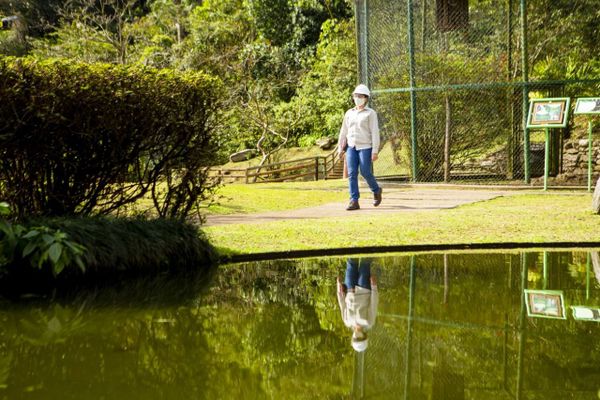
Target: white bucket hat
{"type": "Point", "coordinates": [362, 89]}
{"type": "Point", "coordinates": [361, 345]}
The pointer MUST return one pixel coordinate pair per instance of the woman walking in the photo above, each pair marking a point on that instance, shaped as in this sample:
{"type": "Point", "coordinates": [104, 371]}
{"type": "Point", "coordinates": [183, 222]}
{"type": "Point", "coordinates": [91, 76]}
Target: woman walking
{"type": "Point", "coordinates": [359, 139]}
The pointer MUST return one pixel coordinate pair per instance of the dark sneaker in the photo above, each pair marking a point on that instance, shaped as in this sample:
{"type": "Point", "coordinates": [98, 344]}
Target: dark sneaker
{"type": "Point", "coordinates": [353, 205]}
{"type": "Point", "coordinates": [377, 197]}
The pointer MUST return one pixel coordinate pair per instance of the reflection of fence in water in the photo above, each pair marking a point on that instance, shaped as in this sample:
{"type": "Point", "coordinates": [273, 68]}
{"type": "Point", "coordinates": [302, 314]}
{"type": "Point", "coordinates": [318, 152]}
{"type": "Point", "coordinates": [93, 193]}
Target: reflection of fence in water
{"type": "Point", "coordinates": [438, 366]}
{"type": "Point", "coordinates": [480, 343]}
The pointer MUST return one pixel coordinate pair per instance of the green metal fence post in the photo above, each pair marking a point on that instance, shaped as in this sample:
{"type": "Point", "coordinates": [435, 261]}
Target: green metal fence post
{"type": "Point", "coordinates": [522, 329]}
{"type": "Point", "coordinates": [413, 94]}
{"type": "Point", "coordinates": [362, 31]}
{"type": "Point", "coordinates": [590, 125]}
{"type": "Point", "coordinates": [411, 303]}
{"type": "Point", "coordinates": [546, 158]}
{"type": "Point", "coordinates": [525, 73]}
{"type": "Point", "coordinates": [587, 276]}
{"type": "Point", "coordinates": [357, 29]}
{"type": "Point", "coordinates": [510, 167]}
{"type": "Point", "coordinates": [545, 270]}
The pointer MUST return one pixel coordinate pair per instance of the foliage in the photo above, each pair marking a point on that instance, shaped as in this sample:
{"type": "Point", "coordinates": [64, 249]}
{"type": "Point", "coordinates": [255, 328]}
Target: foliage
{"type": "Point", "coordinates": [37, 246]}
{"type": "Point", "coordinates": [39, 16]}
{"type": "Point", "coordinates": [87, 139]}
{"type": "Point", "coordinates": [324, 90]}
{"type": "Point", "coordinates": [103, 26]}
{"type": "Point", "coordinates": [135, 245]}
{"type": "Point", "coordinates": [12, 42]}
{"type": "Point", "coordinates": [273, 19]}
{"type": "Point", "coordinates": [563, 30]}
{"type": "Point", "coordinates": [298, 59]}
{"type": "Point", "coordinates": [262, 50]}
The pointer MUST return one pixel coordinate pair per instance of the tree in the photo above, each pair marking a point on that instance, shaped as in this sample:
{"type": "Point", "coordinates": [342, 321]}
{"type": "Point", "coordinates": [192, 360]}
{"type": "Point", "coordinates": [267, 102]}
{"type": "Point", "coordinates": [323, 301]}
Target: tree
{"type": "Point", "coordinates": [324, 90]}
{"type": "Point", "coordinates": [93, 30]}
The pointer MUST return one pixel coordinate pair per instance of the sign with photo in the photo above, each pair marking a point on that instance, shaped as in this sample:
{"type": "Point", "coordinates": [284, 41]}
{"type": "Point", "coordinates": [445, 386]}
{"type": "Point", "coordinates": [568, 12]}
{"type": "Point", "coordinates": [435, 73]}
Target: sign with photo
{"type": "Point", "coordinates": [548, 113]}
{"type": "Point", "coordinates": [545, 304]}
{"type": "Point", "coordinates": [584, 313]}
{"type": "Point", "coordinates": [587, 105]}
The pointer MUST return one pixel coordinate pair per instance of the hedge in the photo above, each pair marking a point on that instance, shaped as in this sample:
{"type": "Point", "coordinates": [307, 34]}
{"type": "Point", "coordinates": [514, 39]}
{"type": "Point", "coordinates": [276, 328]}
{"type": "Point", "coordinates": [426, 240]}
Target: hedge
{"type": "Point", "coordinates": [114, 248]}
{"type": "Point", "coordinates": [82, 139]}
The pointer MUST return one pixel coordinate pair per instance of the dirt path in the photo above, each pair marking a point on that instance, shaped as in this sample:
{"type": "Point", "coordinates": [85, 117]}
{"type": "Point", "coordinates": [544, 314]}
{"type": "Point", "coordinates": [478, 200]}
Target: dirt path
{"type": "Point", "coordinates": [395, 199]}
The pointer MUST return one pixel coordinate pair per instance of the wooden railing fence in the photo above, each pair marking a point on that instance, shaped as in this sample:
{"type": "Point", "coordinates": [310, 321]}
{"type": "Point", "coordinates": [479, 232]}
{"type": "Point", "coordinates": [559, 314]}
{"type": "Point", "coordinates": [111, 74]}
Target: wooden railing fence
{"type": "Point", "coordinates": [314, 168]}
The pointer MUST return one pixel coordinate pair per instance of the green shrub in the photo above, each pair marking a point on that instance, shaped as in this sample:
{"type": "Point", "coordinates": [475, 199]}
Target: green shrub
{"type": "Point", "coordinates": [81, 139]}
{"type": "Point", "coordinates": [101, 246]}
{"type": "Point", "coordinates": [135, 245]}
{"type": "Point", "coordinates": [36, 246]}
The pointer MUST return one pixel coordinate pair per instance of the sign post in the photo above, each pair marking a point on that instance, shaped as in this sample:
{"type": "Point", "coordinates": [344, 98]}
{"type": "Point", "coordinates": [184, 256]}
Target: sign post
{"type": "Point", "coordinates": [548, 113]}
{"type": "Point", "coordinates": [588, 105]}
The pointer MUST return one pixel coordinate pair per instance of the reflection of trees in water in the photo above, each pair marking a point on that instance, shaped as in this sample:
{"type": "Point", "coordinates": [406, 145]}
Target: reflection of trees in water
{"type": "Point", "coordinates": [254, 333]}
{"type": "Point", "coordinates": [273, 330]}
{"type": "Point", "coordinates": [470, 338]}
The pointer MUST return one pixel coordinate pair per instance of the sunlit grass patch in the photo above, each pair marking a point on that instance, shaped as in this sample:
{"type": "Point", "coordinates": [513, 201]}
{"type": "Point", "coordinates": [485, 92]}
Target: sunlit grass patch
{"type": "Point", "coordinates": [534, 218]}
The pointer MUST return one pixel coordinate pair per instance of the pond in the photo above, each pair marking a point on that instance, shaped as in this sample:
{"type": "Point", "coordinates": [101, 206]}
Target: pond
{"type": "Point", "coordinates": [448, 326]}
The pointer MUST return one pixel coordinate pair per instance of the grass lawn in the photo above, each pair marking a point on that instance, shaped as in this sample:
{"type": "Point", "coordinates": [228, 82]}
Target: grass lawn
{"type": "Point", "coordinates": [254, 198]}
{"type": "Point", "coordinates": [523, 217]}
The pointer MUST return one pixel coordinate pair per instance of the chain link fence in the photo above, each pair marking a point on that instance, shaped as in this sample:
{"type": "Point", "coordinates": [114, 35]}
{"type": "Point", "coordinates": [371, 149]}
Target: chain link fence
{"type": "Point", "coordinates": [450, 82]}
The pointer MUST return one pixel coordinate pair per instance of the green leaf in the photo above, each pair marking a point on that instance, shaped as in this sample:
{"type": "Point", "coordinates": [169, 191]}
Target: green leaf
{"type": "Point", "coordinates": [80, 263]}
{"type": "Point", "coordinates": [5, 227]}
{"type": "Point", "coordinates": [31, 234]}
{"type": "Point", "coordinates": [42, 259]}
{"type": "Point", "coordinates": [48, 239]}
{"type": "Point", "coordinates": [57, 269]}
{"type": "Point", "coordinates": [55, 251]}
{"type": "Point", "coordinates": [4, 208]}
{"type": "Point", "coordinates": [31, 246]}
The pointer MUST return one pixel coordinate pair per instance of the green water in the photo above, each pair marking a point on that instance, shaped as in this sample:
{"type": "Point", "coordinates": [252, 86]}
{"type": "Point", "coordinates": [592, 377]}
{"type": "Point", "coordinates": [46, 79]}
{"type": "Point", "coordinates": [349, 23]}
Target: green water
{"type": "Point", "coordinates": [448, 327]}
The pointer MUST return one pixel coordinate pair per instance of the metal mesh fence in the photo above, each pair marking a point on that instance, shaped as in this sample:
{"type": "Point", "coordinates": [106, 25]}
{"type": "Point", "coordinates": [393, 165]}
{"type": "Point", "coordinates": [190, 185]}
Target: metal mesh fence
{"type": "Point", "coordinates": [451, 84]}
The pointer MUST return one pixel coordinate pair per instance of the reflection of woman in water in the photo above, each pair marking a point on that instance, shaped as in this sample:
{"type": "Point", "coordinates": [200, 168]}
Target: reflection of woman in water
{"type": "Point", "coordinates": [358, 298]}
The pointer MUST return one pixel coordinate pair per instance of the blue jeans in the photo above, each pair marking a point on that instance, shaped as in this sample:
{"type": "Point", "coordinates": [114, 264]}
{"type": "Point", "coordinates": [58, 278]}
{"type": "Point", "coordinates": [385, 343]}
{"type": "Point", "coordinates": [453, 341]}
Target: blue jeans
{"type": "Point", "coordinates": [360, 159]}
{"type": "Point", "coordinates": [358, 273]}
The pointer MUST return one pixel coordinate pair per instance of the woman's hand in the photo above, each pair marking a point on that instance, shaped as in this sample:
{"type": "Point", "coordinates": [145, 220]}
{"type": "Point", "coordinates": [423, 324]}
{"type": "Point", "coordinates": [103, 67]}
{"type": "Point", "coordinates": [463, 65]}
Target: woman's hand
{"type": "Point", "coordinates": [374, 157]}
{"type": "Point", "coordinates": [340, 286]}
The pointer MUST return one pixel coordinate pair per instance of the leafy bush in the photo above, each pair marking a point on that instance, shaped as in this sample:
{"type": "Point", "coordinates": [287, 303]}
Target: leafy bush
{"type": "Point", "coordinates": [81, 139]}
{"type": "Point", "coordinates": [130, 245]}
{"type": "Point", "coordinates": [37, 246]}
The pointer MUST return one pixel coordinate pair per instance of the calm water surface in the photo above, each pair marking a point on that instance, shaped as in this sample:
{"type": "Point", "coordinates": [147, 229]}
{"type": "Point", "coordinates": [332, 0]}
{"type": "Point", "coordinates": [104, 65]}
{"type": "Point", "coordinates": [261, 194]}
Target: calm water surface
{"type": "Point", "coordinates": [453, 326]}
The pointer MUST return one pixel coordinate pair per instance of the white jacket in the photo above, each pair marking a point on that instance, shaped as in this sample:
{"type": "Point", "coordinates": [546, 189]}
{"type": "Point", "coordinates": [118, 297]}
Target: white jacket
{"type": "Point", "coordinates": [359, 307]}
{"type": "Point", "coordinates": [360, 129]}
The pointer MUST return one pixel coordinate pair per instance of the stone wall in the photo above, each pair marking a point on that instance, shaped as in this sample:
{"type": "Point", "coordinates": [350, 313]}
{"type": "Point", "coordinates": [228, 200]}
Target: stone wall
{"type": "Point", "coordinates": [575, 161]}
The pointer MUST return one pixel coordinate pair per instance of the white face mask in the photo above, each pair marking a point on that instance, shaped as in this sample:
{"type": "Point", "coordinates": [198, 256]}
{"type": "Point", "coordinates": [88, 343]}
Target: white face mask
{"type": "Point", "coordinates": [360, 101]}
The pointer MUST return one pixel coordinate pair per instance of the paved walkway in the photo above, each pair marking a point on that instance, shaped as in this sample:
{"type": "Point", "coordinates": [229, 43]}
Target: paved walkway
{"type": "Point", "coordinates": [395, 199]}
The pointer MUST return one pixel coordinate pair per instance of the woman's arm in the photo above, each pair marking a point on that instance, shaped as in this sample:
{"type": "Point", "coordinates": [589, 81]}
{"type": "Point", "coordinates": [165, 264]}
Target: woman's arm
{"type": "Point", "coordinates": [341, 297]}
{"type": "Point", "coordinates": [374, 129]}
{"type": "Point", "coordinates": [343, 138]}
{"type": "Point", "coordinates": [374, 302]}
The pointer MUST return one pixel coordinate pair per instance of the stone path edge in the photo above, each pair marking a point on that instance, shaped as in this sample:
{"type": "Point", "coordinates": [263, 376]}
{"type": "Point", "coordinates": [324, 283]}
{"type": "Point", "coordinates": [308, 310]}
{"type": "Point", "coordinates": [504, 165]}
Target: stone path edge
{"type": "Point", "coordinates": [276, 255]}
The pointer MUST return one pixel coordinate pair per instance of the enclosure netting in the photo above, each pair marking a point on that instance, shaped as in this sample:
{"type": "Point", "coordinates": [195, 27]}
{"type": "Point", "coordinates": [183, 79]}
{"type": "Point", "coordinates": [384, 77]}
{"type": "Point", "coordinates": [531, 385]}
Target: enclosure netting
{"type": "Point", "coordinates": [465, 121]}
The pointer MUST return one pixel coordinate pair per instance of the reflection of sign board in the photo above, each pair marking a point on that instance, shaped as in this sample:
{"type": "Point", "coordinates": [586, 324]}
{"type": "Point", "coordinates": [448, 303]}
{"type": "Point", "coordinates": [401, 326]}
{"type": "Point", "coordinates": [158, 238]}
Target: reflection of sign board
{"type": "Point", "coordinates": [548, 113]}
{"type": "Point", "coordinates": [584, 313]}
{"type": "Point", "coordinates": [587, 105]}
{"type": "Point", "coordinates": [545, 304]}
